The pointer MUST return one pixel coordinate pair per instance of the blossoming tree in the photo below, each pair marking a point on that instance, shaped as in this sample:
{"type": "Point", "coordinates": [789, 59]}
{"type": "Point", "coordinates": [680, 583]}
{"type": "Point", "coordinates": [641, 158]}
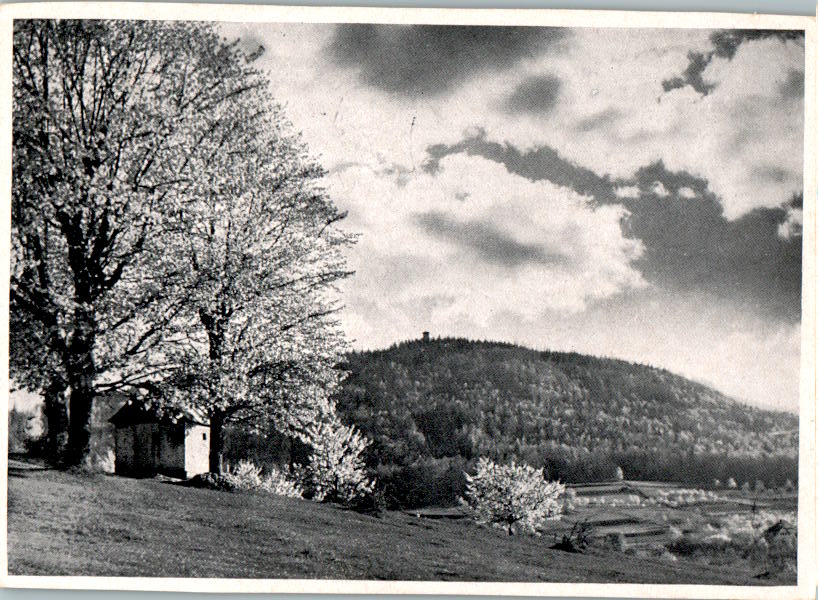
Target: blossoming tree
{"type": "Point", "coordinates": [514, 496]}
{"type": "Point", "coordinates": [169, 231]}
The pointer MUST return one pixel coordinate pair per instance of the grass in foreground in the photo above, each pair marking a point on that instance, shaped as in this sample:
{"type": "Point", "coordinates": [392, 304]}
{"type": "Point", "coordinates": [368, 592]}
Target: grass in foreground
{"type": "Point", "coordinates": [69, 524]}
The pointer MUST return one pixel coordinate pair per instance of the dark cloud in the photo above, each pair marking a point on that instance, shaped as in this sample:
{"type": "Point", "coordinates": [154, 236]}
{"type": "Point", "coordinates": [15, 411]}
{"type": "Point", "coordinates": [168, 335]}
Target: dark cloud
{"type": "Point", "coordinates": [689, 245]}
{"type": "Point", "coordinates": [541, 163]}
{"type": "Point", "coordinates": [485, 240]}
{"type": "Point", "coordinates": [725, 44]}
{"type": "Point", "coordinates": [727, 41]}
{"type": "Point", "coordinates": [793, 86]}
{"type": "Point", "coordinates": [534, 95]}
{"type": "Point", "coordinates": [599, 120]}
{"type": "Point", "coordinates": [692, 75]}
{"type": "Point", "coordinates": [417, 60]}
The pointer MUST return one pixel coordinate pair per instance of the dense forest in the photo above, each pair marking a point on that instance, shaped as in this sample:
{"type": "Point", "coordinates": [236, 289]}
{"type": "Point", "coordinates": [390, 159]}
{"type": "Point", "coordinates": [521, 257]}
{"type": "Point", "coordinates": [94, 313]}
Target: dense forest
{"type": "Point", "coordinates": [431, 408]}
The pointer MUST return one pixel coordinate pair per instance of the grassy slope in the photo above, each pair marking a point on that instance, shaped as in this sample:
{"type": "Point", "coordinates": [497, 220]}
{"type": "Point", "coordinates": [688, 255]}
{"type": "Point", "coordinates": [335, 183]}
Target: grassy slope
{"type": "Point", "coordinates": [64, 524]}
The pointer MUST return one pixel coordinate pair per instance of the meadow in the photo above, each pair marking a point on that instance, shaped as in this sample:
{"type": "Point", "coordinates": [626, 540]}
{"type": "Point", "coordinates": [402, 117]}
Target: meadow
{"type": "Point", "coordinates": [91, 524]}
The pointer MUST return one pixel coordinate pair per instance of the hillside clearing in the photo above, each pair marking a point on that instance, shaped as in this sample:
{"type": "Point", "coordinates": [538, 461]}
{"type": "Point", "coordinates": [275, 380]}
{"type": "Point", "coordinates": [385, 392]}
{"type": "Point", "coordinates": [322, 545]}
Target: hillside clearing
{"type": "Point", "coordinates": [68, 524]}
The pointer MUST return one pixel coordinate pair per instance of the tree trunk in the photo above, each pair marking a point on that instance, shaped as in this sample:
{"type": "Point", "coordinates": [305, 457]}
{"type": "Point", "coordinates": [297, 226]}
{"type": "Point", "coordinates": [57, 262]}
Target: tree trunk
{"type": "Point", "coordinates": [215, 337]}
{"type": "Point", "coordinates": [216, 434]}
{"type": "Point", "coordinates": [80, 373]}
{"type": "Point", "coordinates": [56, 418]}
{"type": "Point", "coordinates": [81, 404]}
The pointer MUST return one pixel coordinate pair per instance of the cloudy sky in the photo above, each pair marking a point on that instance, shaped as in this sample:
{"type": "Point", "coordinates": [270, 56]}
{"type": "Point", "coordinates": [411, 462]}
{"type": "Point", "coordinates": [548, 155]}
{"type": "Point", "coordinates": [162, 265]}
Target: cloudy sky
{"type": "Point", "coordinates": [627, 193]}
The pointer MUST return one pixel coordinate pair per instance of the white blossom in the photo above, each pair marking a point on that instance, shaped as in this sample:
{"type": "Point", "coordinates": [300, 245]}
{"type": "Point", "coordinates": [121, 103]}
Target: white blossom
{"type": "Point", "coordinates": [336, 471]}
{"type": "Point", "coordinates": [516, 497]}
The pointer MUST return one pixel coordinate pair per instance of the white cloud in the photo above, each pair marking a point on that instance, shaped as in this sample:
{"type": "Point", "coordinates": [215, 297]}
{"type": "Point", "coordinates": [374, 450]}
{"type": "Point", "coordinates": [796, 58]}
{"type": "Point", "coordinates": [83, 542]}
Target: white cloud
{"type": "Point", "coordinates": [686, 192]}
{"type": "Point", "coordinates": [473, 240]}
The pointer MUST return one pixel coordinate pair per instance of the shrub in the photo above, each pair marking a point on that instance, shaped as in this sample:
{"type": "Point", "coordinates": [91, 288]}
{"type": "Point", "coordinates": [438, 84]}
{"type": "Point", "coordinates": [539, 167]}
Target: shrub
{"type": "Point", "coordinates": [512, 496]}
{"type": "Point", "coordinates": [372, 504]}
{"type": "Point", "coordinates": [37, 447]}
{"type": "Point", "coordinates": [335, 471]}
{"type": "Point", "coordinates": [665, 554]}
{"type": "Point", "coordinates": [281, 484]}
{"type": "Point", "coordinates": [683, 546]}
{"type": "Point", "coordinates": [633, 500]}
{"type": "Point", "coordinates": [718, 540]}
{"type": "Point", "coordinates": [577, 539]}
{"type": "Point", "coordinates": [569, 501]}
{"type": "Point", "coordinates": [782, 546]}
{"type": "Point", "coordinates": [245, 476]}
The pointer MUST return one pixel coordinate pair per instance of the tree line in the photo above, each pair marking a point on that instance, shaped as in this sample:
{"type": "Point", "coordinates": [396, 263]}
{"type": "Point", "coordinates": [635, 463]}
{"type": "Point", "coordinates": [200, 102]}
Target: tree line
{"type": "Point", "coordinates": [170, 238]}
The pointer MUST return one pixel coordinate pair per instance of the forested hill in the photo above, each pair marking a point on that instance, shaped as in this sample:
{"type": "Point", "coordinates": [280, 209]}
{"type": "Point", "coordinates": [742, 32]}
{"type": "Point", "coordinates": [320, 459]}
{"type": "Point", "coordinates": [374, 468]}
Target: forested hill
{"type": "Point", "coordinates": [572, 413]}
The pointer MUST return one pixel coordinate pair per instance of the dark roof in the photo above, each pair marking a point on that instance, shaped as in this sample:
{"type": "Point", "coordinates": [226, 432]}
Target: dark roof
{"type": "Point", "coordinates": [135, 411]}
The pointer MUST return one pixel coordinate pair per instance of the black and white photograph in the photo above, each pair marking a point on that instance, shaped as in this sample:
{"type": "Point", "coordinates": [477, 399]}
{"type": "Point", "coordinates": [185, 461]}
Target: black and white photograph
{"type": "Point", "coordinates": [353, 295]}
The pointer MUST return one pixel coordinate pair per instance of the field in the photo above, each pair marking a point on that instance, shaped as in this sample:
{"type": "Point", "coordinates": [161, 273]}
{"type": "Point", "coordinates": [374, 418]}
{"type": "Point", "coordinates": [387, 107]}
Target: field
{"type": "Point", "coordinates": [714, 527]}
{"type": "Point", "coordinates": [77, 524]}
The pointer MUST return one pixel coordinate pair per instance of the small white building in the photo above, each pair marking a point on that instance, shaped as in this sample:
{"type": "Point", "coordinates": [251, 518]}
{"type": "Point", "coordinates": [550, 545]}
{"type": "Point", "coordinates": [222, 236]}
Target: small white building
{"type": "Point", "coordinates": [148, 441]}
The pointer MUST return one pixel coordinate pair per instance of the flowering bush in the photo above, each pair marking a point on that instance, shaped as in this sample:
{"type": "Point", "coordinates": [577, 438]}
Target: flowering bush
{"type": "Point", "coordinates": [514, 497]}
{"type": "Point", "coordinates": [281, 484]}
{"type": "Point", "coordinates": [335, 471]}
{"type": "Point", "coordinates": [247, 476]}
